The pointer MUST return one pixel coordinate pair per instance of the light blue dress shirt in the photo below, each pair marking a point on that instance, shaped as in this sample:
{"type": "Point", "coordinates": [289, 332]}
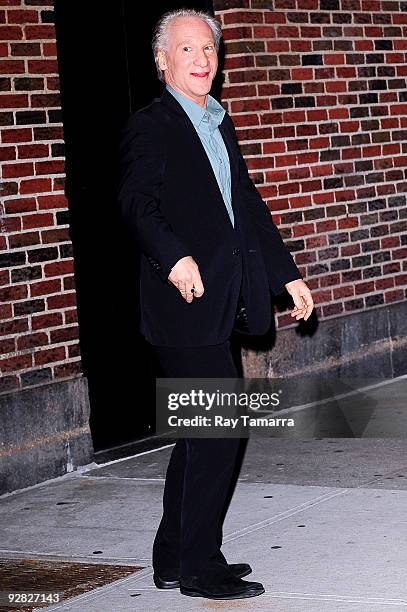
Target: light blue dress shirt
{"type": "Point", "coordinates": [206, 122]}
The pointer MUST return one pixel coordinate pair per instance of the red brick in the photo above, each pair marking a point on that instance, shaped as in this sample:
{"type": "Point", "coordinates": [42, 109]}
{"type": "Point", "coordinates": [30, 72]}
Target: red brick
{"type": "Point", "coordinates": [384, 283]}
{"type": "Point", "coordinates": [40, 32]}
{"type": "Point", "coordinates": [239, 91]}
{"type": "Point", "coordinates": [9, 383]}
{"type": "Point", "coordinates": [48, 66]}
{"type": "Point", "coordinates": [350, 249]}
{"type": "Point", "coordinates": [45, 100]}
{"type": "Point", "coordinates": [254, 163]}
{"type": "Point", "coordinates": [69, 283]}
{"type": "Point", "coordinates": [31, 341]}
{"type": "Point", "coordinates": [13, 293]}
{"type": "Point", "coordinates": [53, 83]}
{"type": "Point", "coordinates": [303, 229]}
{"type": "Point", "coordinates": [24, 239]}
{"type": "Point", "coordinates": [55, 235]}
{"type": "Point", "coordinates": [19, 362]}
{"type": "Point", "coordinates": [391, 268]}
{"type": "Point", "coordinates": [390, 241]}
{"type": "Point", "coordinates": [353, 305]}
{"type": "Point", "coordinates": [48, 133]}
{"type": "Point", "coordinates": [322, 296]}
{"type": "Point", "coordinates": [11, 224]}
{"type": "Point", "coordinates": [38, 220]}
{"type": "Point", "coordinates": [6, 312]}
{"type": "Point", "coordinates": [10, 32]}
{"type": "Point", "coordinates": [17, 135]}
{"type": "Point", "coordinates": [326, 226]}
{"type": "Point", "coordinates": [7, 346]}
{"type": "Point", "coordinates": [55, 200]}
{"type": "Point", "coordinates": [45, 287]}
{"type": "Point", "coordinates": [68, 369]}
{"type": "Point", "coordinates": [348, 222]}
{"type": "Point", "coordinates": [329, 310]}
{"type": "Point", "coordinates": [14, 101]}
{"type": "Point", "coordinates": [399, 253]}
{"type": "Point", "coordinates": [238, 61]}
{"type": "Point", "coordinates": [329, 280]}
{"type": "Point", "coordinates": [33, 150]}
{"type": "Point", "coordinates": [23, 17]}
{"type": "Point", "coordinates": [74, 350]}
{"type": "Point", "coordinates": [65, 300]}
{"type": "Point", "coordinates": [65, 334]}
{"type": "Point", "coordinates": [35, 186]}
{"type": "Point", "coordinates": [243, 17]}
{"type": "Point", "coordinates": [50, 167]}
{"type": "Point", "coordinates": [367, 287]}
{"type": "Point", "coordinates": [58, 268]}
{"type": "Point", "coordinates": [394, 296]}
{"type": "Point", "coordinates": [49, 49]}
{"type": "Point", "coordinates": [342, 292]}
{"type": "Point", "coordinates": [45, 321]}
{"type": "Point", "coordinates": [17, 205]}
{"type": "Point", "coordinates": [25, 49]}
{"type": "Point", "coordinates": [58, 183]}
{"type": "Point", "coordinates": [265, 31]}
{"type": "Point", "coordinates": [51, 355]}
{"type": "Point", "coordinates": [4, 277]}
{"type": "Point", "coordinates": [236, 32]}
{"type": "Point", "coordinates": [17, 170]}
{"type": "Point", "coordinates": [401, 279]}
{"type": "Point", "coordinates": [71, 316]}
{"type": "Point", "coordinates": [7, 153]}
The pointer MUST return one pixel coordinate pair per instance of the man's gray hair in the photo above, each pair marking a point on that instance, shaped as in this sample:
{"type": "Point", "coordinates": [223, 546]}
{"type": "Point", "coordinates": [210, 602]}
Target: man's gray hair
{"type": "Point", "coordinates": [160, 34]}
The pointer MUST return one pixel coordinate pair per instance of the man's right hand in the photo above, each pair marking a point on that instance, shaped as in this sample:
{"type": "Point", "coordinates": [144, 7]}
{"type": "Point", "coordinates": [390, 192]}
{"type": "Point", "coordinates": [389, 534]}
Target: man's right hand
{"type": "Point", "coordinates": [185, 276]}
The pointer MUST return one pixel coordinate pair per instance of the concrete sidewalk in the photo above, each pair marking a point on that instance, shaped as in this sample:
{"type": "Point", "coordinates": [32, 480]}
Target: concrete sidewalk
{"type": "Point", "coordinates": [321, 521]}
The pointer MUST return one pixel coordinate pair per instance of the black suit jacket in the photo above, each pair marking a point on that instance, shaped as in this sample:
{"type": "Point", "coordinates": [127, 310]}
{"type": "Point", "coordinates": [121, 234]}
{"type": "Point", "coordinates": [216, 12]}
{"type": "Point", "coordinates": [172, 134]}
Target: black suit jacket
{"type": "Point", "coordinates": [172, 205]}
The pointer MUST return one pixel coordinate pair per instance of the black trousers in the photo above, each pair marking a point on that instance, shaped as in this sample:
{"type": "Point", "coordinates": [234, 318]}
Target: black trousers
{"type": "Point", "coordinates": [198, 477]}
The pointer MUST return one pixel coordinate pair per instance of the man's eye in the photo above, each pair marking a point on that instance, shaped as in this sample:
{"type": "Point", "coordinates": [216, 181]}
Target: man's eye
{"type": "Point", "coordinates": [210, 47]}
{"type": "Point", "coordinates": [186, 48]}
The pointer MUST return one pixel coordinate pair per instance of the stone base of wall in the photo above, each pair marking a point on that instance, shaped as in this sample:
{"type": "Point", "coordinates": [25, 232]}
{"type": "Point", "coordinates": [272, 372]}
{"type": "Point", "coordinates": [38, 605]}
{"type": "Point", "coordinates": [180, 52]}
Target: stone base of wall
{"type": "Point", "coordinates": [367, 346]}
{"type": "Point", "coordinates": [44, 433]}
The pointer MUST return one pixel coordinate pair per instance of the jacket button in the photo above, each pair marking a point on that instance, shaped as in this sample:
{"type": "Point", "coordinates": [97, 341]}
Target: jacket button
{"type": "Point", "coordinates": [235, 251]}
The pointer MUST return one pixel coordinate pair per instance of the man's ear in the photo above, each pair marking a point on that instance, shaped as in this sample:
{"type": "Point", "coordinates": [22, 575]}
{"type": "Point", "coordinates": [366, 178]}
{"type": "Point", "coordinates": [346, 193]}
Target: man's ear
{"type": "Point", "coordinates": [162, 60]}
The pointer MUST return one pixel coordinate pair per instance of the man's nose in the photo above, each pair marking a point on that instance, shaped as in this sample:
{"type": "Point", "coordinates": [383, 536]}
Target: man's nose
{"type": "Point", "coordinates": [201, 58]}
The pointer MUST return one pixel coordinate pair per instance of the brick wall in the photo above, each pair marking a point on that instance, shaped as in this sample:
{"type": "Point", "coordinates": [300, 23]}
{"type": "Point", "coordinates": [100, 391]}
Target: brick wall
{"type": "Point", "coordinates": [38, 317]}
{"type": "Point", "coordinates": [317, 92]}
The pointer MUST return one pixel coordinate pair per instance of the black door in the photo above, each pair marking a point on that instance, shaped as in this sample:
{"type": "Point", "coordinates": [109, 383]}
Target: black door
{"type": "Point", "coordinates": [107, 71]}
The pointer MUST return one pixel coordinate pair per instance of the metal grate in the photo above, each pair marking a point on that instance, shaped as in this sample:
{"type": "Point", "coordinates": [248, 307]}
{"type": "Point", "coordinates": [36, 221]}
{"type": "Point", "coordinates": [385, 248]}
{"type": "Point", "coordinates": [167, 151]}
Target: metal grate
{"type": "Point", "coordinates": [43, 576]}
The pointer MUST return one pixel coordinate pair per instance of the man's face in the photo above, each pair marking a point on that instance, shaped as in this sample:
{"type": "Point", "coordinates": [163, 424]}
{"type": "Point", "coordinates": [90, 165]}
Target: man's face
{"type": "Point", "coordinates": [190, 62]}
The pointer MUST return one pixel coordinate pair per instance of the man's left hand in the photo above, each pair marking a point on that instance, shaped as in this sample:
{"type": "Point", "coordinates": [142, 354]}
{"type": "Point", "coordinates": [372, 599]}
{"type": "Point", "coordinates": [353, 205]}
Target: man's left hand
{"type": "Point", "coordinates": [302, 299]}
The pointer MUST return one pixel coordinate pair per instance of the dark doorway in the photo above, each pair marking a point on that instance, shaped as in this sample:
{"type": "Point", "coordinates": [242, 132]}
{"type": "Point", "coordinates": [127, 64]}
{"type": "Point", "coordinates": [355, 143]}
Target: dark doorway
{"type": "Point", "coordinates": [107, 71]}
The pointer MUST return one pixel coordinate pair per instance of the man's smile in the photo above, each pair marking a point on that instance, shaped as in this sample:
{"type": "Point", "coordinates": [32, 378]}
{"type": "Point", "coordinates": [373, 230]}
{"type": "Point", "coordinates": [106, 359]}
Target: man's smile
{"type": "Point", "coordinates": [200, 75]}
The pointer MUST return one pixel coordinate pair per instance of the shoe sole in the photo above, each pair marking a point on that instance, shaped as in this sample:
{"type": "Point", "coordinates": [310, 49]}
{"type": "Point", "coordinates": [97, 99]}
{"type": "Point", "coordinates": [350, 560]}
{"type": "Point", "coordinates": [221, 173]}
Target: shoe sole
{"type": "Point", "coordinates": [241, 595]}
{"type": "Point", "coordinates": [174, 584]}
{"type": "Point", "coordinates": [166, 584]}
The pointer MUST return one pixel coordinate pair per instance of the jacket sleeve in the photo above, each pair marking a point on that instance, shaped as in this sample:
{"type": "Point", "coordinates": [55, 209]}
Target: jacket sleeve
{"type": "Point", "coordinates": [141, 172]}
{"type": "Point", "coordinates": [280, 265]}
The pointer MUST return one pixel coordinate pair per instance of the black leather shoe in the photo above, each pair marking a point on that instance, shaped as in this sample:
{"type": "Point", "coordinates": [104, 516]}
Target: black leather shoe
{"type": "Point", "coordinates": [219, 587]}
{"type": "Point", "coordinates": [171, 581]}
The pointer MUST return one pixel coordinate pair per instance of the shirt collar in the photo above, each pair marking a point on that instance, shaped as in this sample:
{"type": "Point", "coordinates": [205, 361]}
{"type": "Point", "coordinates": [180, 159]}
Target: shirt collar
{"type": "Point", "coordinates": [212, 115]}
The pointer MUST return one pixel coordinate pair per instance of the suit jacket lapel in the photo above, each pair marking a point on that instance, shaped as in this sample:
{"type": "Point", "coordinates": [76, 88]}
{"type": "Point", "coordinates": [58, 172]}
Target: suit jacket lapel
{"type": "Point", "coordinates": [170, 102]}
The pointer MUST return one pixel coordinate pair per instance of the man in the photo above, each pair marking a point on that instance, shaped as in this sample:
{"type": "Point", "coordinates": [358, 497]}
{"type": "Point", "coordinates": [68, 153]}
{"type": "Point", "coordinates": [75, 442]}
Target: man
{"type": "Point", "coordinates": [210, 252]}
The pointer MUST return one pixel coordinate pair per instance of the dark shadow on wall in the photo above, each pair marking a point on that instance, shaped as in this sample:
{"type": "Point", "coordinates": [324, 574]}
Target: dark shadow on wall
{"type": "Point", "coordinates": [107, 71]}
